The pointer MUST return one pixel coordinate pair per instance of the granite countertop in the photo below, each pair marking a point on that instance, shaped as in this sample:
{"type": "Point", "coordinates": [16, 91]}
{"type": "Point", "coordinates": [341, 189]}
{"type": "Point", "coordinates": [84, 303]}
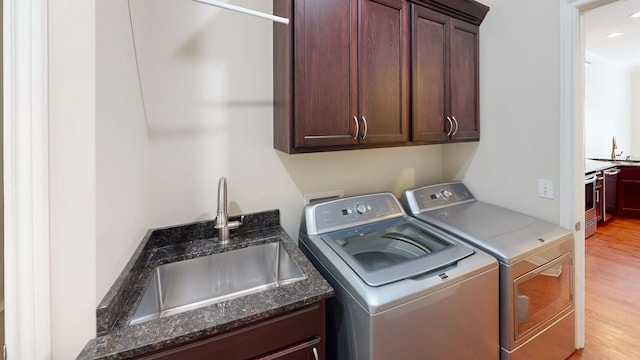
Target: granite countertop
{"type": "Point", "coordinates": [116, 339]}
{"type": "Point", "coordinates": [593, 165]}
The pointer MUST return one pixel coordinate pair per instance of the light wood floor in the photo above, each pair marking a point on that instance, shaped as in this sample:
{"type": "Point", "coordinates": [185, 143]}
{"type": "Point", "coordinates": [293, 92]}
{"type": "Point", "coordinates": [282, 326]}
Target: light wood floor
{"type": "Point", "coordinates": [612, 286]}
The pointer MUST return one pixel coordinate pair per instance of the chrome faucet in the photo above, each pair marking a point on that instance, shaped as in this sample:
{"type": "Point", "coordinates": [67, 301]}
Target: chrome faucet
{"type": "Point", "coordinates": [614, 146]}
{"type": "Point", "coordinates": [222, 219]}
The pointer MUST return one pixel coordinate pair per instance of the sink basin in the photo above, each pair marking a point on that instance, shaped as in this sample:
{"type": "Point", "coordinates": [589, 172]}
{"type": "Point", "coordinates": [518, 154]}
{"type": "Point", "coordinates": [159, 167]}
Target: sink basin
{"type": "Point", "coordinates": [190, 284]}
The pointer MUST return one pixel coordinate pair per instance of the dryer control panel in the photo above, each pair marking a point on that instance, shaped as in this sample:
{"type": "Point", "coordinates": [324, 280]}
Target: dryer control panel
{"type": "Point", "coordinates": [436, 196]}
{"type": "Point", "coordinates": [353, 211]}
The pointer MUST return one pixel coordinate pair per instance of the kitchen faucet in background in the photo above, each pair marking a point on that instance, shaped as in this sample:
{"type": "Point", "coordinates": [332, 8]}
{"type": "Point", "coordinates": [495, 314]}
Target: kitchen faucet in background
{"type": "Point", "coordinates": [222, 223]}
{"type": "Point", "coordinates": [614, 146]}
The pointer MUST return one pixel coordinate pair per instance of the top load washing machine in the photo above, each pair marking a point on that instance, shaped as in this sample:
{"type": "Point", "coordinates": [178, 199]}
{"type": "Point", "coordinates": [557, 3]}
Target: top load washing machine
{"type": "Point", "coordinates": [403, 289]}
{"type": "Point", "coordinates": [536, 267]}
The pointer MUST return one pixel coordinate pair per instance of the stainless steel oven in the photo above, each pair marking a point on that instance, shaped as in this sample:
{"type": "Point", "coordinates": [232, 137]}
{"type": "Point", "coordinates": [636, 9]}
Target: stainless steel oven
{"type": "Point", "coordinates": [590, 201]}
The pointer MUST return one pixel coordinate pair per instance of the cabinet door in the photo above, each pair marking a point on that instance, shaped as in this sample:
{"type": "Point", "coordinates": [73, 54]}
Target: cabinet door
{"type": "Point", "coordinates": [384, 70]}
{"type": "Point", "coordinates": [325, 73]}
{"type": "Point", "coordinates": [309, 350]}
{"type": "Point", "coordinates": [629, 192]}
{"type": "Point", "coordinates": [430, 75]}
{"type": "Point", "coordinates": [629, 198]}
{"type": "Point", "coordinates": [290, 336]}
{"type": "Point", "coordinates": [464, 87]}
{"type": "Point", "coordinates": [610, 193]}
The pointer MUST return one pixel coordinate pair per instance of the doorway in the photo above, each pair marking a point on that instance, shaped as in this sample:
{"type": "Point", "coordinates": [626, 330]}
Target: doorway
{"type": "Point", "coordinates": [572, 152]}
{"type": "Point", "coordinates": [612, 80]}
{"type": "Point", "coordinates": [611, 73]}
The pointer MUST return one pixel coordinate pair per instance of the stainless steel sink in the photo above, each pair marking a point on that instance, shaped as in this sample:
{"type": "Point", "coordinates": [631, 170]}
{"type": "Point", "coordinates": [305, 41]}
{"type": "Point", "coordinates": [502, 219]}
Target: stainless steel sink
{"type": "Point", "coordinates": [189, 284]}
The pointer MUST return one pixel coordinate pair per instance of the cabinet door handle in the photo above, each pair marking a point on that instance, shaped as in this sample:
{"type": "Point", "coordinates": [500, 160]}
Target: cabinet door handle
{"type": "Point", "coordinates": [456, 121]}
{"type": "Point", "coordinates": [590, 180]}
{"type": "Point", "coordinates": [315, 353]}
{"type": "Point", "coordinates": [355, 118]}
{"type": "Point", "coordinates": [366, 128]}
{"type": "Point", "coordinates": [597, 195]}
{"type": "Point", "coordinates": [450, 126]}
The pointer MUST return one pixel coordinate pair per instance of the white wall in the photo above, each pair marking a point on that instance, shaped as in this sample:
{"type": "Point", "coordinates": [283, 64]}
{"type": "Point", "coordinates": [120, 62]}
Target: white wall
{"type": "Point", "coordinates": [207, 85]}
{"type": "Point", "coordinates": [607, 106]}
{"type": "Point", "coordinates": [72, 175]}
{"type": "Point", "coordinates": [519, 109]}
{"type": "Point", "coordinates": [634, 140]}
{"type": "Point", "coordinates": [207, 82]}
{"type": "Point", "coordinates": [122, 181]}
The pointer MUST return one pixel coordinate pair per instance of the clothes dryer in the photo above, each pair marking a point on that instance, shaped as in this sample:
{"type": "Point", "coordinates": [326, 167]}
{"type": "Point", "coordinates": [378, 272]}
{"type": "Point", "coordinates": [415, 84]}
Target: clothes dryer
{"type": "Point", "coordinates": [537, 318]}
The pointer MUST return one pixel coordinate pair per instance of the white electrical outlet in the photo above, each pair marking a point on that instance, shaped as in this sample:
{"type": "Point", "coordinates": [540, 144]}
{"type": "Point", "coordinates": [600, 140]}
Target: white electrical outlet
{"type": "Point", "coordinates": [545, 188]}
{"type": "Point", "coordinates": [322, 196]}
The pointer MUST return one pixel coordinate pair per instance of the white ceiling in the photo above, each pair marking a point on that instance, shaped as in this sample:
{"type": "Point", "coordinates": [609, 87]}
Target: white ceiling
{"type": "Point", "coordinates": [611, 18]}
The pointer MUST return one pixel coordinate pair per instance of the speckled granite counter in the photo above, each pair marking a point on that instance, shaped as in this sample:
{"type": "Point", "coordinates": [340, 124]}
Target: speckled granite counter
{"type": "Point", "coordinates": [118, 340]}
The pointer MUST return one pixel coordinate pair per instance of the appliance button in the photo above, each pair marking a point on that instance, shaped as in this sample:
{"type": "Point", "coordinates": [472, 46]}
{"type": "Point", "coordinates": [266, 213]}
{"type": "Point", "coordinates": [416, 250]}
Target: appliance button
{"type": "Point", "coordinates": [361, 209]}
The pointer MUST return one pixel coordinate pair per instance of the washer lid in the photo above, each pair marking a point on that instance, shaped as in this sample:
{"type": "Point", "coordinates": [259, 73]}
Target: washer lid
{"type": "Point", "coordinates": [395, 249]}
{"type": "Point", "coordinates": [506, 234]}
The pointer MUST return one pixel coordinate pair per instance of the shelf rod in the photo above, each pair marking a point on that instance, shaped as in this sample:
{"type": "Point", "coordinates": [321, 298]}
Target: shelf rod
{"type": "Point", "coordinates": [244, 10]}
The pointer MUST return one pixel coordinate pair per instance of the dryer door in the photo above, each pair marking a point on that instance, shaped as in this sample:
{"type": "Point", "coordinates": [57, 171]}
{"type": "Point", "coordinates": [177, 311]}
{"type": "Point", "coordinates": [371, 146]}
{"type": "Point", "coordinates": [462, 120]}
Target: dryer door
{"type": "Point", "coordinates": [542, 294]}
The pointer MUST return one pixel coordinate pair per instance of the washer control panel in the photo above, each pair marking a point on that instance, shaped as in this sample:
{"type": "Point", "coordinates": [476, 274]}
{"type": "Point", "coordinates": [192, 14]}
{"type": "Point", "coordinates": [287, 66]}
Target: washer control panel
{"type": "Point", "coordinates": [361, 209]}
{"type": "Point", "coordinates": [442, 194]}
{"type": "Point", "coordinates": [346, 212]}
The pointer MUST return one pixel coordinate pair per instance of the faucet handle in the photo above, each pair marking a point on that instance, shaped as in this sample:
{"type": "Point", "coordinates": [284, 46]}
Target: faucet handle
{"type": "Point", "coordinates": [236, 223]}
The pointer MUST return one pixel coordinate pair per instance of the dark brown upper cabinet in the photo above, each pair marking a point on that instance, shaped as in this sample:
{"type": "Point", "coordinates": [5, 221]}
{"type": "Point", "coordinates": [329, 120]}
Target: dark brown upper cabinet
{"type": "Point", "coordinates": [348, 74]}
{"type": "Point", "coordinates": [445, 78]}
{"type": "Point", "coordinates": [383, 67]}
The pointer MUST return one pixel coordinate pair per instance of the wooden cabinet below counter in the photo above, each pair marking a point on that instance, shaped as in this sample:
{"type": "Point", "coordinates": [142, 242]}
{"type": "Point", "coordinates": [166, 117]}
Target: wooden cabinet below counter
{"type": "Point", "coordinates": [299, 335]}
{"type": "Point", "coordinates": [629, 192]}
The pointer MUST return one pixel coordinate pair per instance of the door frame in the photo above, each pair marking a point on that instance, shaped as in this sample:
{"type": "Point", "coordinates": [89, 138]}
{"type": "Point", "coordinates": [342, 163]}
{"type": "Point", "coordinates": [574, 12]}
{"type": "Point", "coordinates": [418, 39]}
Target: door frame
{"type": "Point", "coordinates": [26, 179]}
{"type": "Point", "coordinates": [572, 152]}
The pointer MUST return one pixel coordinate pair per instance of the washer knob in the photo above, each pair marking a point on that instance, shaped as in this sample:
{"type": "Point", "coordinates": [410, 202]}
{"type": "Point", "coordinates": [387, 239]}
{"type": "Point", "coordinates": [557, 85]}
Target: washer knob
{"type": "Point", "coordinates": [446, 194]}
{"type": "Point", "coordinates": [361, 209]}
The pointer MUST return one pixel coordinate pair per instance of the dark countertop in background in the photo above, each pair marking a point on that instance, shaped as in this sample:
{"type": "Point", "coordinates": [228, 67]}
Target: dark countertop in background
{"type": "Point", "coordinates": [593, 165]}
{"type": "Point", "coordinates": [118, 340]}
